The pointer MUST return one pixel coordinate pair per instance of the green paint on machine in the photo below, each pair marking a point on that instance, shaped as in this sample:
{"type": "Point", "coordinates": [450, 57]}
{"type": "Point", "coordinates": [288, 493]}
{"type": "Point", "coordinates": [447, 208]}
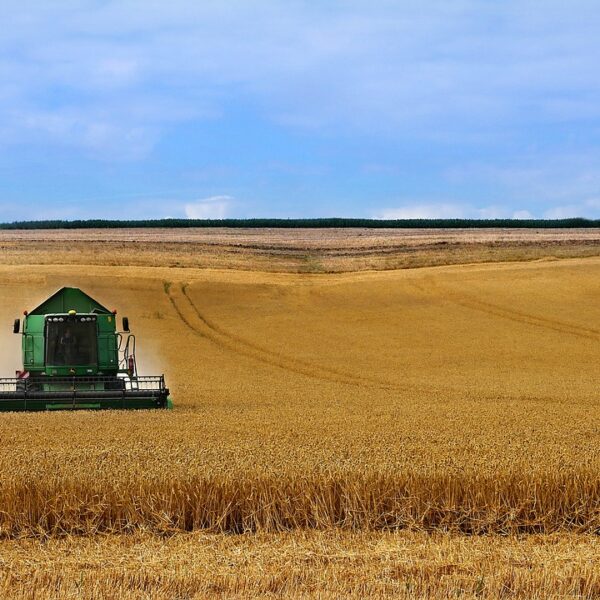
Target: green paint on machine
{"type": "Point", "coordinates": [75, 358]}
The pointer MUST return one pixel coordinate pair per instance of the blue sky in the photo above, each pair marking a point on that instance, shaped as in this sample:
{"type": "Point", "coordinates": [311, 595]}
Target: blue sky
{"type": "Point", "coordinates": [299, 109]}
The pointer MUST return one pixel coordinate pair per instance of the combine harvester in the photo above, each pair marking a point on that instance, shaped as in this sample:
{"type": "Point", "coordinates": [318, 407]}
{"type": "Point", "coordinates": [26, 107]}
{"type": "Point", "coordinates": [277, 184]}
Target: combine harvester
{"type": "Point", "coordinates": [74, 358]}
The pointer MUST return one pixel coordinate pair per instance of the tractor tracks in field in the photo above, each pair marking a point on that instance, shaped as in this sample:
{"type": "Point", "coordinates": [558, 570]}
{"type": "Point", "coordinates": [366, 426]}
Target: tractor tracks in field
{"type": "Point", "coordinates": [429, 287]}
{"type": "Point", "coordinates": [191, 316]}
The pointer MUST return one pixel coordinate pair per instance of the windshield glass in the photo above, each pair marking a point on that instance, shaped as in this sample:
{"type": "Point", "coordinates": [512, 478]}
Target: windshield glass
{"type": "Point", "coordinates": [70, 343]}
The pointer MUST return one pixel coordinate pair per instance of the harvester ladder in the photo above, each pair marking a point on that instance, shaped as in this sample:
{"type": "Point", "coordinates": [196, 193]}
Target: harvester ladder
{"type": "Point", "coordinates": [126, 352]}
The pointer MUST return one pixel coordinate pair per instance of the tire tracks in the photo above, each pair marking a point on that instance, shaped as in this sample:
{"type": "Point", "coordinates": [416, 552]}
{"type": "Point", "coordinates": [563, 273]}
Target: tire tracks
{"type": "Point", "coordinates": [233, 343]}
{"type": "Point", "coordinates": [429, 287]}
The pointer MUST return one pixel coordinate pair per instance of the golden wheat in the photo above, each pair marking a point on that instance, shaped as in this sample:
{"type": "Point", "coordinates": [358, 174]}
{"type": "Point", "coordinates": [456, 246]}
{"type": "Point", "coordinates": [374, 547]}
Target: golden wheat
{"type": "Point", "coordinates": [458, 399]}
{"type": "Point", "coordinates": [301, 564]}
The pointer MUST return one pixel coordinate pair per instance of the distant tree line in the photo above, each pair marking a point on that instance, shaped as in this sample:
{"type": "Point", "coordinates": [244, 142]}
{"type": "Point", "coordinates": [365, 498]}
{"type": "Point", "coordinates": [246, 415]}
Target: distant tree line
{"type": "Point", "coordinates": [306, 223]}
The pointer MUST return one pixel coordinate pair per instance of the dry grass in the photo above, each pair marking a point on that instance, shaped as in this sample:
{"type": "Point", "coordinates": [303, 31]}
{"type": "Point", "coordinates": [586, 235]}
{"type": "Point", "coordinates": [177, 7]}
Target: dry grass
{"type": "Point", "coordinates": [293, 250]}
{"type": "Point", "coordinates": [458, 399]}
{"type": "Point", "coordinates": [301, 564]}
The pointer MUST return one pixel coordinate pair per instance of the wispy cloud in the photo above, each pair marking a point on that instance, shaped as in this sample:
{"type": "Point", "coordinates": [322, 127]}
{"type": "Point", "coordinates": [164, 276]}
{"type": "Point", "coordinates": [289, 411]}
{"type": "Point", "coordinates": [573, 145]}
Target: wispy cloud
{"type": "Point", "coordinates": [422, 211]}
{"type": "Point", "coordinates": [589, 208]}
{"type": "Point", "coordinates": [552, 185]}
{"type": "Point", "coordinates": [522, 214]}
{"type": "Point", "coordinates": [311, 67]}
{"type": "Point", "coordinates": [495, 104]}
{"type": "Point", "coordinates": [215, 207]}
{"type": "Point", "coordinates": [449, 210]}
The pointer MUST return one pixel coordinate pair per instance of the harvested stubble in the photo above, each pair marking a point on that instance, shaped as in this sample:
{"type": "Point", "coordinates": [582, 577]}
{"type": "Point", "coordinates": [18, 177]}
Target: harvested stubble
{"type": "Point", "coordinates": [459, 399]}
{"type": "Point", "coordinates": [447, 400]}
{"type": "Point", "coordinates": [301, 564]}
{"type": "Point", "coordinates": [293, 250]}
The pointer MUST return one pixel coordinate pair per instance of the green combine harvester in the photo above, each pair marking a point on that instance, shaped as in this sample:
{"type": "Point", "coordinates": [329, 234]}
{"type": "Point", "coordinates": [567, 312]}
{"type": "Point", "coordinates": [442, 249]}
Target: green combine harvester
{"type": "Point", "coordinates": [74, 358]}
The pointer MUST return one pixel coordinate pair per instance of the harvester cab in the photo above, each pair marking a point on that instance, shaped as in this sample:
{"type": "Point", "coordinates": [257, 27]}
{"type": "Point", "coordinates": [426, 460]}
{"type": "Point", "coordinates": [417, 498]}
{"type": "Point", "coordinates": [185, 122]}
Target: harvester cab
{"type": "Point", "coordinates": [75, 358]}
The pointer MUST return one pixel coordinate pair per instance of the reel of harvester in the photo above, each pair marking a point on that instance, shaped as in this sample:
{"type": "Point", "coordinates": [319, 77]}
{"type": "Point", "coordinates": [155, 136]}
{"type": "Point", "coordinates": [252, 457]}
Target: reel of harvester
{"type": "Point", "coordinates": [74, 358]}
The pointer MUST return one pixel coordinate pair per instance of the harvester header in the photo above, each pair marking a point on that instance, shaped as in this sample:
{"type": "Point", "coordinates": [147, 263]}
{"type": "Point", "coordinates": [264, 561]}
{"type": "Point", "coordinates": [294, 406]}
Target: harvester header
{"type": "Point", "coordinates": [75, 358]}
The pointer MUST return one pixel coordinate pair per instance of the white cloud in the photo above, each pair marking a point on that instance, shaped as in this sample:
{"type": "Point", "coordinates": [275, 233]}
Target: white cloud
{"type": "Point", "coordinates": [492, 212]}
{"type": "Point", "coordinates": [115, 72]}
{"type": "Point", "coordinates": [522, 214]}
{"type": "Point", "coordinates": [110, 81]}
{"type": "Point", "coordinates": [589, 208]}
{"type": "Point", "coordinates": [553, 184]}
{"type": "Point", "coordinates": [423, 211]}
{"type": "Point", "coordinates": [14, 212]}
{"type": "Point", "coordinates": [562, 212]}
{"type": "Point", "coordinates": [215, 207]}
{"type": "Point", "coordinates": [383, 68]}
{"type": "Point", "coordinates": [449, 210]}
{"type": "Point", "coordinates": [123, 206]}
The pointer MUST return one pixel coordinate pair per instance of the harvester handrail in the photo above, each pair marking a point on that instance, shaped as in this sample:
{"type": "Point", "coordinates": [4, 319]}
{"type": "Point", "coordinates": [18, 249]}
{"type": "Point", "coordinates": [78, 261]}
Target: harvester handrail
{"type": "Point", "coordinates": [142, 382]}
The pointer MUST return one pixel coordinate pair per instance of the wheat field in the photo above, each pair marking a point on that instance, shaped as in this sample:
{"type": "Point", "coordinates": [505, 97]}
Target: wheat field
{"type": "Point", "coordinates": [426, 432]}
